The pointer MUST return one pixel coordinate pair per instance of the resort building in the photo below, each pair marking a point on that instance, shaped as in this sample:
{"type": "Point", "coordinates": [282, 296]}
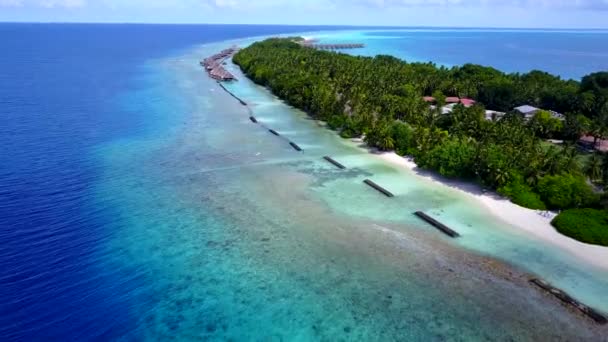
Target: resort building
{"type": "Point", "coordinates": [492, 115]}
{"type": "Point", "coordinates": [452, 100]}
{"type": "Point", "coordinates": [529, 112]}
{"type": "Point", "coordinates": [557, 115]}
{"type": "Point", "coordinates": [467, 102]}
{"type": "Point", "coordinates": [445, 109]}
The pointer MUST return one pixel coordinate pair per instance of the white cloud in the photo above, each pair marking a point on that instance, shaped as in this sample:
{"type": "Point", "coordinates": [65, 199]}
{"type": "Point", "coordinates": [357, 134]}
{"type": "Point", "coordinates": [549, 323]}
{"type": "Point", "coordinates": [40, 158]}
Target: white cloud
{"type": "Point", "coordinates": [43, 3]}
{"type": "Point", "coordinates": [62, 3]}
{"type": "Point", "coordinates": [11, 3]}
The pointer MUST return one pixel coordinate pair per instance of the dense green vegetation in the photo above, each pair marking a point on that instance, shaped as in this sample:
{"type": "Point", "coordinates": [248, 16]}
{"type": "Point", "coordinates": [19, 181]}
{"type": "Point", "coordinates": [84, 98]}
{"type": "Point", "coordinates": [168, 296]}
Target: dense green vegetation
{"type": "Point", "coordinates": [522, 194]}
{"type": "Point", "coordinates": [381, 98]}
{"type": "Point", "coordinates": [587, 225]}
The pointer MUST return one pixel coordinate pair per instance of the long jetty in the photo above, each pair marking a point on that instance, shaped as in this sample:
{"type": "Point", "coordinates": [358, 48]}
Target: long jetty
{"type": "Point", "coordinates": [335, 46]}
{"type": "Point", "coordinates": [214, 65]}
{"type": "Point", "coordinates": [442, 227]}
{"type": "Point", "coordinates": [379, 188]}
{"type": "Point", "coordinates": [566, 298]}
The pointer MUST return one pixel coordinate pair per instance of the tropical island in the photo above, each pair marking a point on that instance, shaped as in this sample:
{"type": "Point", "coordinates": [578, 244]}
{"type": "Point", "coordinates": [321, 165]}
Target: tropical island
{"type": "Point", "coordinates": [470, 122]}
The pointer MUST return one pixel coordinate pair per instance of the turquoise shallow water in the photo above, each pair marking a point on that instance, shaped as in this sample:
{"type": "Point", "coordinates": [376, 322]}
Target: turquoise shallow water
{"type": "Point", "coordinates": [570, 54]}
{"type": "Point", "coordinates": [235, 236]}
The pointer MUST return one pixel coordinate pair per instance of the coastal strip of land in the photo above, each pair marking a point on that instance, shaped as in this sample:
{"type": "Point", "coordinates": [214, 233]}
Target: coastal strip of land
{"type": "Point", "coordinates": [459, 131]}
{"type": "Point", "coordinates": [528, 221]}
{"type": "Point", "coordinates": [447, 183]}
{"type": "Point", "coordinates": [505, 153]}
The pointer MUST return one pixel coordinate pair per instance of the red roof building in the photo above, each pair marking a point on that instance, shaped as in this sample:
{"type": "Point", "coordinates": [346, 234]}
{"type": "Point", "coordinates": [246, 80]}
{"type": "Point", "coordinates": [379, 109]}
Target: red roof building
{"type": "Point", "coordinates": [467, 102]}
{"type": "Point", "coordinates": [452, 99]}
{"type": "Point", "coordinates": [428, 99]}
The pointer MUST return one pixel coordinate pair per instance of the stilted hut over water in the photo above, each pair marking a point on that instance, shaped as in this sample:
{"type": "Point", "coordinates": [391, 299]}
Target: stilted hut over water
{"type": "Point", "coordinates": [213, 65]}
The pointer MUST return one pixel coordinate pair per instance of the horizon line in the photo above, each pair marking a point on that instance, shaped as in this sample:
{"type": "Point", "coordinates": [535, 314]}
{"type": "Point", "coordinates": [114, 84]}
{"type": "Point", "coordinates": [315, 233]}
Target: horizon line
{"type": "Point", "coordinates": [302, 25]}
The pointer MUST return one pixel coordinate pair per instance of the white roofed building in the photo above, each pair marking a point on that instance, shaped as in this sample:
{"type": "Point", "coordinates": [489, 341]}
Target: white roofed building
{"type": "Point", "coordinates": [527, 111]}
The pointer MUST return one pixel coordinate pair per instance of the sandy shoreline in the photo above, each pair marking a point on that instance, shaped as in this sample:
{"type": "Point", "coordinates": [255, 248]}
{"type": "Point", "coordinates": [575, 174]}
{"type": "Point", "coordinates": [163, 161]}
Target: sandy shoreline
{"type": "Point", "coordinates": [523, 219]}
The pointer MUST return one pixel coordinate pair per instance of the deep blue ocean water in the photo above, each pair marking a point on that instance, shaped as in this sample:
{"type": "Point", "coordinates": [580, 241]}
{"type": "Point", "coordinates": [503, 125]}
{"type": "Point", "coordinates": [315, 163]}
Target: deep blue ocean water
{"type": "Point", "coordinates": [113, 228]}
{"type": "Point", "coordinates": [61, 93]}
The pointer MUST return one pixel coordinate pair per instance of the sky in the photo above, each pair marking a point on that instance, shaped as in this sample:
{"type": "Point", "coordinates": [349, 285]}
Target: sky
{"type": "Point", "coordinates": [435, 13]}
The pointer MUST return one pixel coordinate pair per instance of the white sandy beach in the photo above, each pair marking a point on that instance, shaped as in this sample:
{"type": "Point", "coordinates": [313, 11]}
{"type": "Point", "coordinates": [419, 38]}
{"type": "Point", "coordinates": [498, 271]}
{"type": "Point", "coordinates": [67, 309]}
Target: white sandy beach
{"type": "Point", "coordinates": [526, 220]}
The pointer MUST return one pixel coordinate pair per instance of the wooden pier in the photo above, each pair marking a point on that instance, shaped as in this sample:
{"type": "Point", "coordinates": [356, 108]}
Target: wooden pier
{"type": "Point", "coordinates": [442, 227]}
{"type": "Point", "coordinates": [566, 298]}
{"type": "Point", "coordinates": [379, 188]}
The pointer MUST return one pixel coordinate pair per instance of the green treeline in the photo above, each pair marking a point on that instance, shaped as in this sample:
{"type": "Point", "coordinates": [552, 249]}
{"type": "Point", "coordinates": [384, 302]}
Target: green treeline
{"type": "Point", "coordinates": [382, 99]}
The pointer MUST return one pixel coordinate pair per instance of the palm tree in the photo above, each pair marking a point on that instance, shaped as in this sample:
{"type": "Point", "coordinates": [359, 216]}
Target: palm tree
{"type": "Point", "coordinates": [386, 142]}
{"type": "Point", "coordinates": [599, 130]}
{"type": "Point", "coordinates": [605, 171]}
{"type": "Point", "coordinates": [593, 169]}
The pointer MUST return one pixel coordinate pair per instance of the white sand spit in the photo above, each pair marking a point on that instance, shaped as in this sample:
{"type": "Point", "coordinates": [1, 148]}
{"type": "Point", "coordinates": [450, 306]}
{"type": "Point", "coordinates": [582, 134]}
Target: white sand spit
{"type": "Point", "coordinates": [535, 223]}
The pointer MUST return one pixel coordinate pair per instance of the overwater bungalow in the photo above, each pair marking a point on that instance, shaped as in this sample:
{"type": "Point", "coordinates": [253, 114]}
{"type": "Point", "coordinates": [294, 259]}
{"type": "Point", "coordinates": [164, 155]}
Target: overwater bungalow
{"type": "Point", "coordinates": [214, 65]}
{"type": "Point", "coordinates": [221, 74]}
